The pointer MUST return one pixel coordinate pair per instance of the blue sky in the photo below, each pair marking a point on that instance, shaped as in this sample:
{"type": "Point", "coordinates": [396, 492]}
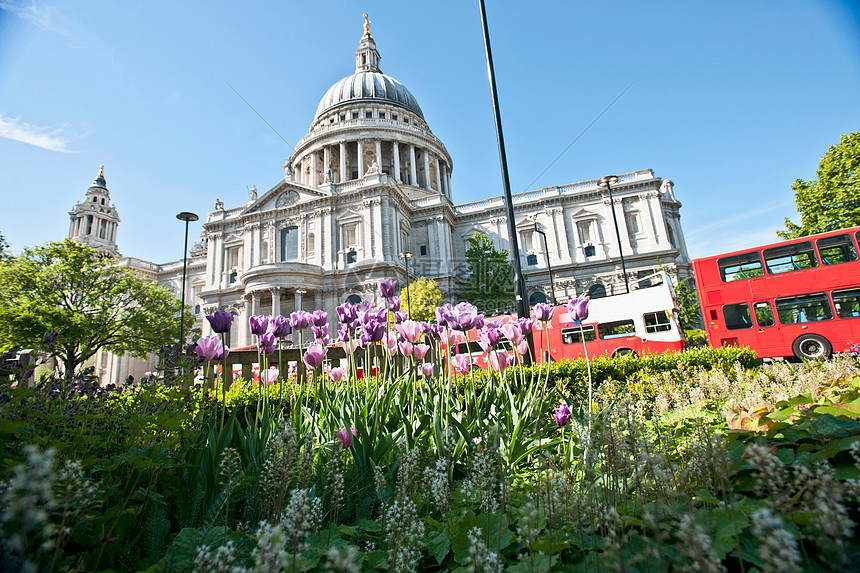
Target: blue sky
{"type": "Point", "coordinates": [732, 100]}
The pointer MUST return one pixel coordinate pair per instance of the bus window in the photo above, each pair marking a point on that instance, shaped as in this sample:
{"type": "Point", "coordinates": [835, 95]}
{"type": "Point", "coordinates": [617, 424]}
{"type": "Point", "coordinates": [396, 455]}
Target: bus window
{"type": "Point", "coordinates": [790, 258]}
{"type": "Point", "coordinates": [737, 316]}
{"type": "Point", "coordinates": [835, 250]}
{"type": "Point", "coordinates": [803, 308]}
{"type": "Point", "coordinates": [657, 321]}
{"type": "Point", "coordinates": [763, 314]}
{"type": "Point", "coordinates": [617, 329]}
{"type": "Point", "coordinates": [847, 302]}
{"type": "Point", "coordinates": [739, 267]}
{"type": "Point", "coordinates": [473, 348]}
{"type": "Point", "coordinates": [573, 335]}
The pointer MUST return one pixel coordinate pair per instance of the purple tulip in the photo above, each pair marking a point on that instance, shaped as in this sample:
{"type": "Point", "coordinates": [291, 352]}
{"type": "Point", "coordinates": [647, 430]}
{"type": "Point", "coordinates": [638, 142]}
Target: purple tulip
{"type": "Point", "coordinates": [344, 436]}
{"type": "Point", "coordinates": [578, 309]}
{"type": "Point", "coordinates": [442, 313]}
{"type": "Point", "coordinates": [394, 303]}
{"type": "Point", "coordinates": [267, 343]}
{"type": "Point", "coordinates": [374, 330]}
{"type": "Point", "coordinates": [543, 312]}
{"type": "Point", "coordinates": [220, 321]}
{"type": "Point", "coordinates": [435, 331]}
{"type": "Point", "coordinates": [347, 313]}
{"type": "Point", "coordinates": [561, 414]}
{"type": "Point", "coordinates": [319, 318]}
{"type": "Point", "coordinates": [319, 332]}
{"type": "Point", "coordinates": [387, 288]}
{"type": "Point", "coordinates": [464, 317]}
{"type": "Point", "coordinates": [280, 326]}
{"type": "Point", "coordinates": [314, 355]}
{"type": "Point", "coordinates": [259, 324]}
{"type": "Point", "coordinates": [525, 325]}
{"type": "Point", "coordinates": [372, 314]}
{"type": "Point", "coordinates": [300, 319]}
{"type": "Point", "coordinates": [400, 316]}
{"type": "Point", "coordinates": [489, 338]}
{"type": "Point", "coordinates": [207, 347]}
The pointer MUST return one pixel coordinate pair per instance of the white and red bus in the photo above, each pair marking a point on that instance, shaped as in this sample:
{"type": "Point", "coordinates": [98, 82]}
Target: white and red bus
{"type": "Point", "coordinates": [793, 298]}
{"type": "Point", "coordinates": [643, 321]}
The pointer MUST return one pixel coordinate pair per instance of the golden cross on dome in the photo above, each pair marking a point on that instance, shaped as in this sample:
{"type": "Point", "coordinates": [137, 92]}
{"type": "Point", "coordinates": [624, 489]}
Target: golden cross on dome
{"type": "Point", "coordinates": [101, 170]}
{"type": "Point", "coordinates": [366, 24]}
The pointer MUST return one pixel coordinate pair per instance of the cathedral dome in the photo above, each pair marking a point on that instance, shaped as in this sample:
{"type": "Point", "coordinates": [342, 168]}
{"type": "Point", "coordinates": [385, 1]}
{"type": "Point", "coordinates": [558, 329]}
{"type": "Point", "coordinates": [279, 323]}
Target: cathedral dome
{"type": "Point", "coordinates": [368, 87]}
{"type": "Point", "coordinates": [368, 84]}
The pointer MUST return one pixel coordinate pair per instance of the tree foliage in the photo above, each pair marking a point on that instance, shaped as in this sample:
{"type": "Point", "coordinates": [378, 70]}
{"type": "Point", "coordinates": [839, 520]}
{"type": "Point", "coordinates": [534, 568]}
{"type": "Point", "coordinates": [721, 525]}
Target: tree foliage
{"type": "Point", "coordinates": [490, 285]}
{"type": "Point", "coordinates": [67, 289]}
{"type": "Point", "coordinates": [423, 296]}
{"type": "Point", "coordinates": [5, 254]}
{"type": "Point", "coordinates": [829, 202]}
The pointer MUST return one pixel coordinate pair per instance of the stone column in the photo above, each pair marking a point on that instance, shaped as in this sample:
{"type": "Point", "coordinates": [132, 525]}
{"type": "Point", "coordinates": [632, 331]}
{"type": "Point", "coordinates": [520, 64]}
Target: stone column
{"type": "Point", "coordinates": [439, 176]}
{"type": "Point", "coordinates": [327, 163]}
{"type": "Point", "coordinates": [396, 153]}
{"type": "Point", "coordinates": [298, 301]}
{"type": "Point", "coordinates": [413, 173]}
{"type": "Point", "coordinates": [359, 154]}
{"type": "Point", "coordinates": [243, 328]}
{"type": "Point", "coordinates": [378, 243]}
{"type": "Point", "coordinates": [314, 182]}
{"type": "Point", "coordinates": [276, 301]}
{"type": "Point", "coordinates": [343, 174]}
{"type": "Point", "coordinates": [366, 239]}
{"type": "Point", "coordinates": [379, 154]}
{"type": "Point", "coordinates": [255, 302]}
{"type": "Point", "coordinates": [426, 170]}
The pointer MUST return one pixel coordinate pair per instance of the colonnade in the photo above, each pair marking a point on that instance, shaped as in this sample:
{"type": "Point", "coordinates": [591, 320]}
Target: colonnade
{"type": "Point", "coordinates": [348, 160]}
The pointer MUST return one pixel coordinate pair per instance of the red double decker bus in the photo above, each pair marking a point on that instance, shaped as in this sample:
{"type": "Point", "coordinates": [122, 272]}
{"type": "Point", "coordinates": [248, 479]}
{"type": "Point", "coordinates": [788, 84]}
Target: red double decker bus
{"type": "Point", "coordinates": [643, 321]}
{"type": "Point", "coordinates": [793, 298]}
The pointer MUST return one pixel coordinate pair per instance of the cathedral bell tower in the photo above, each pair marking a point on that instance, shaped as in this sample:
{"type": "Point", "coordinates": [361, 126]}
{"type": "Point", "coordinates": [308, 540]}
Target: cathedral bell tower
{"type": "Point", "coordinates": [94, 220]}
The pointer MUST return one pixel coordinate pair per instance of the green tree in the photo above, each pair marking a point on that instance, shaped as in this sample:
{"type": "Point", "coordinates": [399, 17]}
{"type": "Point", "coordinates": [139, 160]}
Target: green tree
{"type": "Point", "coordinates": [690, 312]}
{"type": "Point", "coordinates": [5, 254]}
{"type": "Point", "coordinates": [424, 295]}
{"type": "Point", "coordinates": [830, 201]}
{"type": "Point", "coordinates": [490, 285]}
{"type": "Point", "coordinates": [67, 289]}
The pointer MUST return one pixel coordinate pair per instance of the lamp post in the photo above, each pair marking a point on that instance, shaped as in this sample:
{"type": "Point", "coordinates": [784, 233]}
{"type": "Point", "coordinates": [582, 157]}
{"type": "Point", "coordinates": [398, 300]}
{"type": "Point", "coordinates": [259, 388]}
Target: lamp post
{"type": "Point", "coordinates": [301, 292]}
{"type": "Point", "coordinates": [406, 255]}
{"type": "Point", "coordinates": [519, 282]}
{"type": "Point", "coordinates": [548, 264]}
{"type": "Point", "coordinates": [187, 217]}
{"type": "Point", "coordinates": [607, 182]}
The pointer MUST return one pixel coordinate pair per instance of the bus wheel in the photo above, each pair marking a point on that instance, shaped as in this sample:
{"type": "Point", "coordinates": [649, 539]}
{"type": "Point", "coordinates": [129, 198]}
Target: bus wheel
{"type": "Point", "coordinates": [811, 346]}
{"type": "Point", "coordinates": [625, 352]}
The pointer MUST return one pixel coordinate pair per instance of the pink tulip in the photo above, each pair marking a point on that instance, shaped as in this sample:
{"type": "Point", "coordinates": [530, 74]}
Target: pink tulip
{"type": "Point", "coordinates": [512, 332]}
{"type": "Point", "coordinates": [336, 374]}
{"type": "Point", "coordinates": [523, 347]}
{"type": "Point", "coordinates": [345, 436]}
{"type": "Point", "coordinates": [391, 343]}
{"type": "Point", "coordinates": [427, 369]}
{"type": "Point", "coordinates": [498, 360]}
{"type": "Point", "coordinates": [420, 351]}
{"type": "Point", "coordinates": [410, 330]}
{"type": "Point", "coordinates": [314, 355]}
{"type": "Point", "coordinates": [462, 364]}
{"type": "Point", "coordinates": [406, 348]}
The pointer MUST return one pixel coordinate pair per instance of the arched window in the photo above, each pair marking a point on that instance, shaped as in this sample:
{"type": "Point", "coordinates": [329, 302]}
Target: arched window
{"type": "Point", "coordinates": [597, 291]}
{"type": "Point", "coordinates": [537, 297]}
{"type": "Point", "coordinates": [353, 299]}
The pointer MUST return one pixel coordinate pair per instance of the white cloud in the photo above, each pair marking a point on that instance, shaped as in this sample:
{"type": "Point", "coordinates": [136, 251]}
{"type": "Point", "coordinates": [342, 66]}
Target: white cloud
{"type": "Point", "coordinates": [41, 16]}
{"type": "Point", "coordinates": [51, 139]}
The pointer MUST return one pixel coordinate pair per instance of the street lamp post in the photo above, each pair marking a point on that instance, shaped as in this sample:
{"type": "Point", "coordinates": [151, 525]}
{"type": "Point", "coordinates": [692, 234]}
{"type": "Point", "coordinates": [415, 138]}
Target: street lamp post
{"type": "Point", "coordinates": [548, 264]}
{"type": "Point", "coordinates": [607, 182]}
{"type": "Point", "coordinates": [187, 217]}
{"type": "Point", "coordinates": [406, 255]}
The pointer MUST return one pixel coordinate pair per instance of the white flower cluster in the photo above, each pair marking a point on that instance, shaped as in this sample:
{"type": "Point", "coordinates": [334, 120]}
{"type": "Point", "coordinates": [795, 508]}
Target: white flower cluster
{"type": "Point", "coordinates": [697, 547]}
{"type": "Point", "coordinates": [777, 547]}
{"type": "Point", "coordinates": [301, 517]}
{"type": "Point", "coordinates": [343, 559]}
{"type": "Point", "coordinates": [219, 560]}
{"type": "Point", "coordinates": [480, 559]}
{"type": "Point", "coordinates": [437, 482]}
{"type": "Point", "coordinates": [405, 535]}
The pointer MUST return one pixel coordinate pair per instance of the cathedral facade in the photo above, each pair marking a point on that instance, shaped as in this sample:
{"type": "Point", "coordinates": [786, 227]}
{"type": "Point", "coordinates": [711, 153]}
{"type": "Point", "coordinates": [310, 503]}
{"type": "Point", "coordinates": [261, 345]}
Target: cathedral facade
{"type": "Point", "coordinates": [369, 185]}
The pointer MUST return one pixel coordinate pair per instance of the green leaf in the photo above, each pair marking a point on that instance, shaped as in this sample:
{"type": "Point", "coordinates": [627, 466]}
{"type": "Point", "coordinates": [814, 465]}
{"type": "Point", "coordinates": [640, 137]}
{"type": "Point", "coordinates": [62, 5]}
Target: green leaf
{"type": "Point", "coordinates": [439, 546]}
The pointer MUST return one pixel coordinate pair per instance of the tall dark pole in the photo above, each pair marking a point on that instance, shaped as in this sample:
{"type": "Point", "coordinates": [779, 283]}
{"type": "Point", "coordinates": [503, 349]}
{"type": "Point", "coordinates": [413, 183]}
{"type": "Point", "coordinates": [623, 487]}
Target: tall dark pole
{"type": "Point", "coordinates": [187, 217]}
{"type": "Point", "coordinates": [607, 182]}
{"type": "Point", "coordinates": [406, 256]}
{"type": "Point", "coordinates": [548, 264]}
{"type": "Point", "coordinates": [519, 290]}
